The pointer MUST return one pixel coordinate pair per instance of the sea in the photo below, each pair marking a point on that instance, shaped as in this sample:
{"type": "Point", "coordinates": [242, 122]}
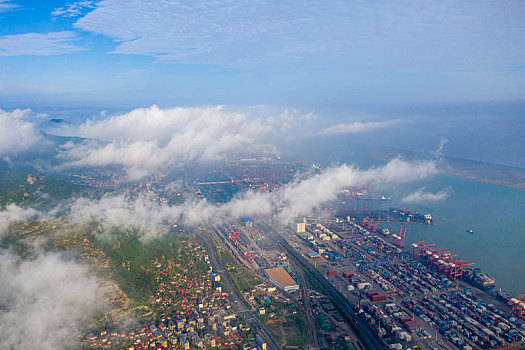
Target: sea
{"type": "Point", "coordinates": [495, 214]}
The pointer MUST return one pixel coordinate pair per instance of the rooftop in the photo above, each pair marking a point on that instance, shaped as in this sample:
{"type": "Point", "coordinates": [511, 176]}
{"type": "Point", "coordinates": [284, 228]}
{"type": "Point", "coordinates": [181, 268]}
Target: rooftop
{"type": "Point", "coordinates": [280, 275]}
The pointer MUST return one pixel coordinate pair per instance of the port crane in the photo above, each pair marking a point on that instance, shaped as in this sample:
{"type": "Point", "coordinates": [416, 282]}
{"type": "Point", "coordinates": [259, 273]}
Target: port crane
{"type": "Point", "coordinates": [455, 267]}
{"type": "Point", "coordinates": [369, 226]}
{"type": "Point", "coordinates": [518, 305]}
{"type": "Point", "coordinates": [374, 229]}
{"type": "Point", "coordinates": [247, 255]}
{"type": "Point", "coordinates": [434, 256]}
{"type": "Point", "coordinates": [399, 238]}
{"type": "Point", "coordinates": [419, 247]}
{"type": "Point", "coordinates": [233, 237]}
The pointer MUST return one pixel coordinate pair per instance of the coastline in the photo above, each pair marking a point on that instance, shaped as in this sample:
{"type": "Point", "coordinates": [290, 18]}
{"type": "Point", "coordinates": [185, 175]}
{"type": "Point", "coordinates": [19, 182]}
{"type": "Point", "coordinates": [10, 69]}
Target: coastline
{"type": "Point", "coordinates": [495, 174]}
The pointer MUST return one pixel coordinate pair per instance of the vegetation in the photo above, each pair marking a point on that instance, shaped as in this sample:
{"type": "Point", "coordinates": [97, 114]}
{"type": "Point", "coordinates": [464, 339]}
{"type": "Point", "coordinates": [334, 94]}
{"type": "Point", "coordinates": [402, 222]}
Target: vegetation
{"type": "Point", "coordinates": [31, 189]}
{"type": "Point", "coordinates": [138, 267]}
{"type": "Point", "coordinates": [136, 260]}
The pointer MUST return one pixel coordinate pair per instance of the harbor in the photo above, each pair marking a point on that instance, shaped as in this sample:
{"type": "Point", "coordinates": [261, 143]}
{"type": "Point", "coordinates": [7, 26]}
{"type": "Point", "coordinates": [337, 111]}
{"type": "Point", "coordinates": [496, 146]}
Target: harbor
{"type": "Point", "coordinates": [413, 295]}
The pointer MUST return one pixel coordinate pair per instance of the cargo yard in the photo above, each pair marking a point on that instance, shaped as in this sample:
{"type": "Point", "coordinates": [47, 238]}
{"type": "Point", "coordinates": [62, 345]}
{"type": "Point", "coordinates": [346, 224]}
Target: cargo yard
{"type": "Point", "coordinates": [413, 297]}
{"type": "Point", "coordinates": [410, 297]}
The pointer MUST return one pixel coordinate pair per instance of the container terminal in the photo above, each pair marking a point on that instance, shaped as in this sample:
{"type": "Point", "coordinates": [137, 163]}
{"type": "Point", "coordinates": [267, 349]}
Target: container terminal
{"type": "Point", "coordinates": [417, 296]}
{"type": "Point", "coordinates": [420, 275]}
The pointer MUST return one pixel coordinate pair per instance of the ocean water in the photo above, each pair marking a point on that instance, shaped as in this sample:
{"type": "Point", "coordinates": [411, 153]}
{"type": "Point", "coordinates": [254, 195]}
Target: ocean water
{"type": "Point", "coordinates": [494, 213]}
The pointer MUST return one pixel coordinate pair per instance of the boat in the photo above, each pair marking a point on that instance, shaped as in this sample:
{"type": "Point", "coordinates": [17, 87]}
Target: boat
{"type": "Point", "coordinates": [478, 279]}
{"type": "Point", "coordinates": [470, 231]}
{"type": "Point", "coordinates": [502, 295]}
{"type": "Point", "coordinates": [384, 231]}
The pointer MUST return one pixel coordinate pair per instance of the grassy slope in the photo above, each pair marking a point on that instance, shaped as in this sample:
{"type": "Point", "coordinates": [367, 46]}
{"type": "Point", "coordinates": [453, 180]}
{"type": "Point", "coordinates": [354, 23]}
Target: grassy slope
{"type": "Point", "coordinates": [15, 188]}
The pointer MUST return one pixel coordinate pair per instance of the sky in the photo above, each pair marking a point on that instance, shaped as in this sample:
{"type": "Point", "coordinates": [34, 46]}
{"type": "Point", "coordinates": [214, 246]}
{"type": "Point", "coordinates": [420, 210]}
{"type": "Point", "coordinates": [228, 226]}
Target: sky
{"type": "Point", "coordinates": [315, 54]}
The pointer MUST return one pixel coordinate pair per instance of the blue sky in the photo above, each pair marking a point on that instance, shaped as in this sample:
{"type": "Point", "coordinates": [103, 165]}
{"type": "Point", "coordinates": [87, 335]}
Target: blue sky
{"type": "Point", "coordinates": [114, 53]}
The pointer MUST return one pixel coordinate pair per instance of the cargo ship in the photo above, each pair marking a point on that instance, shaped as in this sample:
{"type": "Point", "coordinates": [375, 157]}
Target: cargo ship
{"type": "Point", "coordinates": [502, 295]}
{"type": "Point", "coordinates": [408, 215]}
{"type": "Point", "coordinates": [478, 279]}
{"type": "Point", "coordinates": [384, 231]}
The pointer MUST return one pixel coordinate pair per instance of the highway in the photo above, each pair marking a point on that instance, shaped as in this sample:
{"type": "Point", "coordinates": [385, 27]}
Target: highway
{"type": "Point", "coordinates": [367, 336]}
{"type": "Point", "coordinates": [237, 299]}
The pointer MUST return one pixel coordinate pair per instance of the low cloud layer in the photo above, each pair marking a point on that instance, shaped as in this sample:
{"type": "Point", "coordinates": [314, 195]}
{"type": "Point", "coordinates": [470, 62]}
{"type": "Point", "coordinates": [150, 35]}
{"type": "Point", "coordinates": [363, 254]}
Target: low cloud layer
{"type": "Point", "coordinates": [358, 127]}
{"type": "Point", "coordinates": [422, 196]}
{"type": "Point", "coordinates": [147, 139]}
{"type": "Point", "coordinates": [43, 302]}
{"type": "Point", "coordinates": [16, 133]}
{"type": "Point", "coordinates": [39, 44]}
{"type": "Point", "coordinates": [301, 197]}
{"type": "Point", "coordinates": [142, 213]}
{"type": "Point", "coordinates": [12, 213]}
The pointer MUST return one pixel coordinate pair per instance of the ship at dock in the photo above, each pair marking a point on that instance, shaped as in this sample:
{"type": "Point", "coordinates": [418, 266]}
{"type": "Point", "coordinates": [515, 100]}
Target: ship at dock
{"type": "Point", "coordinates": [502, 295]}
{"type": "Point", "coordinates": [384, 231]}
{"type": "Point", "coordinates": [451, 265]}
{"type": "Point", "coordinates": [408, 215]}
{"type": "Point", "coordinates": [479, 279]}
{"type": "Point", "coordinates": [390, 215]}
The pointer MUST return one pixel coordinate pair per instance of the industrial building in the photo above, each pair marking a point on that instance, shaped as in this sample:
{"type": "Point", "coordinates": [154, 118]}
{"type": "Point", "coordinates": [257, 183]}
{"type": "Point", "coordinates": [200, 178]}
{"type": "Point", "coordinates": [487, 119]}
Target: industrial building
{"type": "Point", "coordinates": [282, 279]}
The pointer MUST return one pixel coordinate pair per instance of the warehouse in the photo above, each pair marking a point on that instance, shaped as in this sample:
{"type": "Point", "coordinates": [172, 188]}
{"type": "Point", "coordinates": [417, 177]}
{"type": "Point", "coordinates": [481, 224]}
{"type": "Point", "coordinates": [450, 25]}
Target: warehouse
{"type": "Point", "coordinates": [282, 279]}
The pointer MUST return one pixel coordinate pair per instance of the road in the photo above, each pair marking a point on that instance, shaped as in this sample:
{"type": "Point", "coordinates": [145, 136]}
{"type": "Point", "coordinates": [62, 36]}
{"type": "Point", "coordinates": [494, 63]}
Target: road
{"type": "Point", "coordinates": [367, 336]}
{"type": "Point", "coordinates": [306, 312]}
{"type": "Point", "coordinates": [238, 300]}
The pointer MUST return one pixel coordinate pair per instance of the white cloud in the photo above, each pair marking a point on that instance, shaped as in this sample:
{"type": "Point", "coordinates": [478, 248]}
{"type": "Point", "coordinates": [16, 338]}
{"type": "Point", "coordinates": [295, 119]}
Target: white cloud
{"type": "Point", "coordinates": [305, 195]}
{"type": "Point", "coordinates": [147, 139]}
{"type": "Point", "coordinates": [12, 213]}
{"type": "Point", "coordinates": [44, 302]}
{"type": "Point", "coordinates": [39, 44]}
{"type": "Point", "coordinates": [360, 33]}
{"type": "Point", "coordinates": [16, 133]}
{"type": "Point", "coordinates": [301, 197]}
{"type": "Point", "coordinates": [142, 213]}
{"type": "Point", "coordinates": [421, 196]}
{"type": "Point", "coordinates": [439, 152]}
{"type": "Point", "coordinates": [74, 9]}
{"type": "Point", "coordinates": [358, 127]}
{"type": "Point", "coordinates": [5, 5]}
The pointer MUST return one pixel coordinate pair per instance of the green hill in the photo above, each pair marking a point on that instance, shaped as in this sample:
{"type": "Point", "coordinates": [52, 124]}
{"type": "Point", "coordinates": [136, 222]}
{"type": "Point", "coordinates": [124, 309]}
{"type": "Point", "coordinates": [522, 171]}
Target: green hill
{"type": "Point", "coordinates": [26, 189]}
